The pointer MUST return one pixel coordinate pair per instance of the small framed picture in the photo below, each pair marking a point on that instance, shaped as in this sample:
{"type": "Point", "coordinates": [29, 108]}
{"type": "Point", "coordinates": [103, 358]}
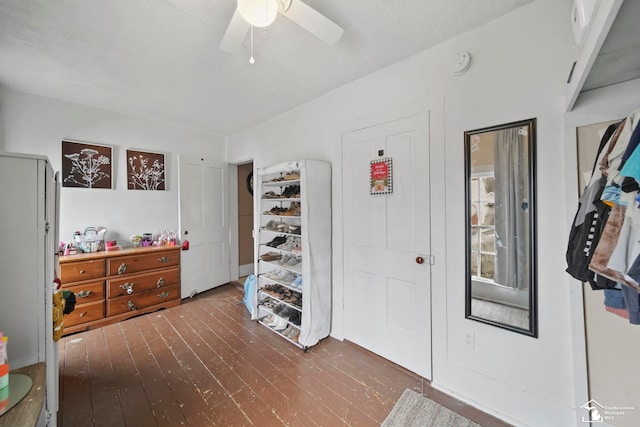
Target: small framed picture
{"type": "Point", "coordinates": [381, 176]}
{"type": "Point", "coordinates": [86, 165]}
{"type": "Point", "coordinates": [145, 170]}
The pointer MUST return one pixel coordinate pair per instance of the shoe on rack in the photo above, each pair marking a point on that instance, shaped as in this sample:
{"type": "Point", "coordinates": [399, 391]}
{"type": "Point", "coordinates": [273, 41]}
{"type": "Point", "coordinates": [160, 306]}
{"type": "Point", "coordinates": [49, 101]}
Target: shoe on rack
{"type": "Point", "coordinates": [295, 301]}
{"type": "Point", "coordinates": [298, 210]}
{"type": "Point", "coordinates": [287, 245]}
{"type": "Point", "coordinates": [289, 279]}
{"type": "Point", "coordinates": [271, 256]}
{"type": "Point", "coordinates": [279, 226]}
{"type": "Point", "coordinates": [287, 311]}
{"type": "Point", "coordinates": [278, 240]}
{"type": "Point", "coordinates": [267, 303]}
{"type": "Point", "coordinates": [292, 228]}
{"type": "Point", "coordinates": [293, 261]}
{"type": "Point", "coordinates": [286, 331]}
{"type": "Point", "coordinates": [286, 193]}
{"type": "Point", "coordinates": [291, 176]}
{"type": "Point", "coordinates": [281, 325]}
{"type": "Point", "coordinates": [269, 275]}
{"type": "Point", "coordinates": [276, 210]}
{"type": "Point", "coordinates": [295, 318]}
{"type": "Point", "coordinates": [284, 277]}
{"type": "Point", "coordinates": [292, 330]}
{"type": "Point", "coordinates": [267, 319]}
{"type": "Point", "coordinates": [274, 321]}
{"type": "Point", "coordinates": [297, 282]}
{"type": "Point", "coordinates": [279, 308]}
{"type": "Point", "coordinates": [285, 258]}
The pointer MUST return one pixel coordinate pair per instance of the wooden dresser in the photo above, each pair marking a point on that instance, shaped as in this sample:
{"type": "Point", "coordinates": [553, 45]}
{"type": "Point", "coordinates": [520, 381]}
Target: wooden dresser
{"type": "Point", "coordinates": [111, 286]}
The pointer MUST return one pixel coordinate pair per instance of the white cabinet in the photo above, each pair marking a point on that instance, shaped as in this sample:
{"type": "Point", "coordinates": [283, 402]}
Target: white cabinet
{"type": "Point", "coordinates": [28, 225]}
{"type": "Point", "coordinates": [293, 253]}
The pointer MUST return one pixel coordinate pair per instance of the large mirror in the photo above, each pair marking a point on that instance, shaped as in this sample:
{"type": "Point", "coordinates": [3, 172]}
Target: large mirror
{"type": "Point", "coordinates": [500, 221]}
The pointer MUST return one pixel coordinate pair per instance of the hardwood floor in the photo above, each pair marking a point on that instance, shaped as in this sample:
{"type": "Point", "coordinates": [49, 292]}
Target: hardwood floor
{"type": "Point", "coordinates": [206, 363]}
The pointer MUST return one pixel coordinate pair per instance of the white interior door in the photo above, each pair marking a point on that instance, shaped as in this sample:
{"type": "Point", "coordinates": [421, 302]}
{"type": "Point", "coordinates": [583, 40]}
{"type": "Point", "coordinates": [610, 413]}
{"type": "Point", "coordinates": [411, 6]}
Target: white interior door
{"type": "Point", "coordinates": [387, 292]}
{"type": "Point", "coordinates": [204, 222]}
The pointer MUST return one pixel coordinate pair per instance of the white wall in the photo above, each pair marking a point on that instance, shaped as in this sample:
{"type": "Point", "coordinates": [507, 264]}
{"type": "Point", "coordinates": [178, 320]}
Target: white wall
{"type": "Point", "coordinates": [520, 64]}
{"type": "Point", "coordinates": [37, 125]}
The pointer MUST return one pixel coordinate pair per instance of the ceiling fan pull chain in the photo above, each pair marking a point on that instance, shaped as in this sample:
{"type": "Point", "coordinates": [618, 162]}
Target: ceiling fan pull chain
{"type": "Point", "coordinates": [251, 59]}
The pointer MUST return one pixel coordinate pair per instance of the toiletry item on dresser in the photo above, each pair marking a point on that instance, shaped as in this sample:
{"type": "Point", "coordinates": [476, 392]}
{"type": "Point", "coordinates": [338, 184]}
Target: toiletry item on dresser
{"type": "Point", "coordinates": [4, 375]}
{"type": "Point", "coordinates": [4, 363]}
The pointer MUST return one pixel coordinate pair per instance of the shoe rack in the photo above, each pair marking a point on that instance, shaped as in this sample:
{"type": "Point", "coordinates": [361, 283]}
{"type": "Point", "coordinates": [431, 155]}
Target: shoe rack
{"type": "Point", "coordinates": [294, 284]}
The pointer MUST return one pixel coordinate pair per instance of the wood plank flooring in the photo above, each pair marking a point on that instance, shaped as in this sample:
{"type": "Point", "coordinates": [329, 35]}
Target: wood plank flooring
{"type": "Point", "coordinates": [205, 363]}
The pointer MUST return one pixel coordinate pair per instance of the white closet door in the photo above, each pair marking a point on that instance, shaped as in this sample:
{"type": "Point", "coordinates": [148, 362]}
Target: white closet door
{"type": "Point", "coordinates": [387, 292]}
{"type": "Point", "coordinates": [204, 222]}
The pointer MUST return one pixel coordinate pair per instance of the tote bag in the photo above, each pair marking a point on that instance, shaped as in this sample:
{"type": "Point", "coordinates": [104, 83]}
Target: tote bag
{"type": "Point", "coordinates": [249, 292]}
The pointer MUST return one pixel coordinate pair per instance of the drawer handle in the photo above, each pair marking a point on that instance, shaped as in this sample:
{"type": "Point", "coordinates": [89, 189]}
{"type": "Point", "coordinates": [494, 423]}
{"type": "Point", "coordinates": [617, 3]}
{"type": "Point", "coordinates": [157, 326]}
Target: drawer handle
{"type": "Point", "coordinates": [127, 287]}
{"type": "Point", "coordinates": [164, 259]}
{"type": "Point", "coordinates": [84, 294]}
{"type": "Point", "coordinates": [163, 294]}
{"type": "Point", "coordinates": [82, 271]}
{"type": "Point", "coordinates": [160, 282]}
{"type": "Point", "coordinates": [84, 313]}
{"type": "Point", "coordinates": [122, 269]}
{"type": "Point", "coordinates": [132, 306]}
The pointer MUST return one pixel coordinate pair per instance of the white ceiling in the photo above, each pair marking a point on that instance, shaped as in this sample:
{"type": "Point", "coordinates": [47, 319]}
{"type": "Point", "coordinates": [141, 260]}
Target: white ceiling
{"type": "Point", "coordinates": [160, 58]}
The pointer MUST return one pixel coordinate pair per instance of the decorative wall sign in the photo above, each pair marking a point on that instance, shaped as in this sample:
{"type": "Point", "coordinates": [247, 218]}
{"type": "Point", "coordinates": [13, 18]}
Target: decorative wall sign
{"type": "Point", "coordinates": [86, 165]}
{"type": "Point", "coordinates": [381, 176]}
{"type": "Point", "coordinates": [145, 171]}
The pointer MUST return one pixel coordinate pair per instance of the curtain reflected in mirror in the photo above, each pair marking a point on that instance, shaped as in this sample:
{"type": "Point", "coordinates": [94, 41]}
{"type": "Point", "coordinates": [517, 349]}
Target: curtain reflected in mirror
{"type": "Point", "coordinates": [500, 193]}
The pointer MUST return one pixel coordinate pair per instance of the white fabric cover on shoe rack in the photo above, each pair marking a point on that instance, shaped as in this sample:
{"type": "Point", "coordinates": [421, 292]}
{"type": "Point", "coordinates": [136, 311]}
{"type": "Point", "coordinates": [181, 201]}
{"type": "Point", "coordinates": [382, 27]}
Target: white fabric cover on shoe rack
{"type": "Point", "coordinates": [280, 167]}
{"type": "Point", "coordinates": [315, 186]}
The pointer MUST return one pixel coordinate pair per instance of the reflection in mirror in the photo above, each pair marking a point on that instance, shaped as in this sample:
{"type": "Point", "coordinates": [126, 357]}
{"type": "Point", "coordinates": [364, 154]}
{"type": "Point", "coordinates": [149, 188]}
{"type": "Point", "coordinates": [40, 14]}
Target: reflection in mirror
{"type": "Point", "coordinates": [500, 255]}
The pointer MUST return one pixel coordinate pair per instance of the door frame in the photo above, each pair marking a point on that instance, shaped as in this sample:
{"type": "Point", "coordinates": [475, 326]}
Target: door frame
{"type": "Point", "coordinates": [234, 240]}
{"type": "Point", "coordinates": [434, 105]}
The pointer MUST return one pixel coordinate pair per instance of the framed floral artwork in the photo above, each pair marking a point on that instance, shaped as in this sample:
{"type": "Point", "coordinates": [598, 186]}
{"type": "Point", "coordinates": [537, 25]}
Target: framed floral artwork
{"type": "Point", "coordinates": [86, 165]}
{"type": "Point", "coordinates": [145, 170]}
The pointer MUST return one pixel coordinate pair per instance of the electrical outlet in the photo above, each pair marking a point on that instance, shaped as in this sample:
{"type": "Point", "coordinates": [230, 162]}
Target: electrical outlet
{"type": "Point", "coordinates": [469, 339]}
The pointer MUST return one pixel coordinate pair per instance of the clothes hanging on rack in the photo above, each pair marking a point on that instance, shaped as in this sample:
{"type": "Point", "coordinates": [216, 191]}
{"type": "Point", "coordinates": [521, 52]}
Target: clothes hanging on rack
{"type": "Point", "coordinates": [604, 242]}
{"type": "Point", "coordinates": [589, 221]}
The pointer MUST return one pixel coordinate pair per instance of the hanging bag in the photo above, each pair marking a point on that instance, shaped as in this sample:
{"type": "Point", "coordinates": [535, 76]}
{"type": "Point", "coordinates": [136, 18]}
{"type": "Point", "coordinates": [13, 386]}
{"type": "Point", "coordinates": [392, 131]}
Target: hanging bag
{"type": "Point", "coordinates": [249, 292]}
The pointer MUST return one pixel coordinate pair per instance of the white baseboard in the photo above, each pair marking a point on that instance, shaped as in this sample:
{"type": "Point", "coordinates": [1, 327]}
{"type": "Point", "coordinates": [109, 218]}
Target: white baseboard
{"type": "Point", "coordinates": [246, 270]}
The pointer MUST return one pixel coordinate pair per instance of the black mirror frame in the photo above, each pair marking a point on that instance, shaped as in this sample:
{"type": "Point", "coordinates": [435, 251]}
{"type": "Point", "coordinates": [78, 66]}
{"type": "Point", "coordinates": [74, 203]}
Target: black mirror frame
{"type": "Point", "coordinates": [533, 285]}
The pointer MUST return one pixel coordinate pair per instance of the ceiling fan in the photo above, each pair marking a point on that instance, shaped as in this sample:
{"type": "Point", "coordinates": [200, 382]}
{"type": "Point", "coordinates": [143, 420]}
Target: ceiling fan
{"type": "Point", "coordinates": [261, 13]}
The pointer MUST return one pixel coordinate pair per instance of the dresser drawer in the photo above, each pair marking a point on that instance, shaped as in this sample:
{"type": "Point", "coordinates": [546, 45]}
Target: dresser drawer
{"type": "Point", "coordinates": [85, 313]}
{"type": "Point", "coordinates": [81, 270]}
{"type": "Point", "coordinates": [118, 266]}
{"type": "Point", "coordinates": [88, 292]}
{"type": "Point", "coordinates": [137, 301]}
{"type": "Point", "coordinates": [136, 283]}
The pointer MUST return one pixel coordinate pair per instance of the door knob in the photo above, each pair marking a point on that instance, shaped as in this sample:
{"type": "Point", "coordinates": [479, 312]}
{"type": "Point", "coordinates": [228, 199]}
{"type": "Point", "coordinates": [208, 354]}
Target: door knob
{"type": "Point", "coordinates": [420, 260]}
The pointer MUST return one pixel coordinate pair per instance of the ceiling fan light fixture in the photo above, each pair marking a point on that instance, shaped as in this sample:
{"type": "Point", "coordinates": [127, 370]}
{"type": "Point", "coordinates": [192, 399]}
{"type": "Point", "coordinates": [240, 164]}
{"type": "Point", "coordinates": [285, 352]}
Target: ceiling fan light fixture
{"type": "Point", "coordinates": [259, 13]}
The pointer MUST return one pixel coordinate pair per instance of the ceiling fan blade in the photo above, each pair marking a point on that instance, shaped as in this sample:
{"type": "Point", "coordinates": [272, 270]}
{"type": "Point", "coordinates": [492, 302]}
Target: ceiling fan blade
{"type": "Point", "coordinates": [235, 34]}
{"type": "Point", "coordinates": [313, 21]}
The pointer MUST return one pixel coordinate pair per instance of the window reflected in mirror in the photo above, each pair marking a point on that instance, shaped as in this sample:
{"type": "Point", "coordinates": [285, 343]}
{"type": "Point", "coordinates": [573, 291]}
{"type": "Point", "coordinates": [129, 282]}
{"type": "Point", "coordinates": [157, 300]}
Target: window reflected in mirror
{"type": "Point", "coordinates": [500, 191]}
